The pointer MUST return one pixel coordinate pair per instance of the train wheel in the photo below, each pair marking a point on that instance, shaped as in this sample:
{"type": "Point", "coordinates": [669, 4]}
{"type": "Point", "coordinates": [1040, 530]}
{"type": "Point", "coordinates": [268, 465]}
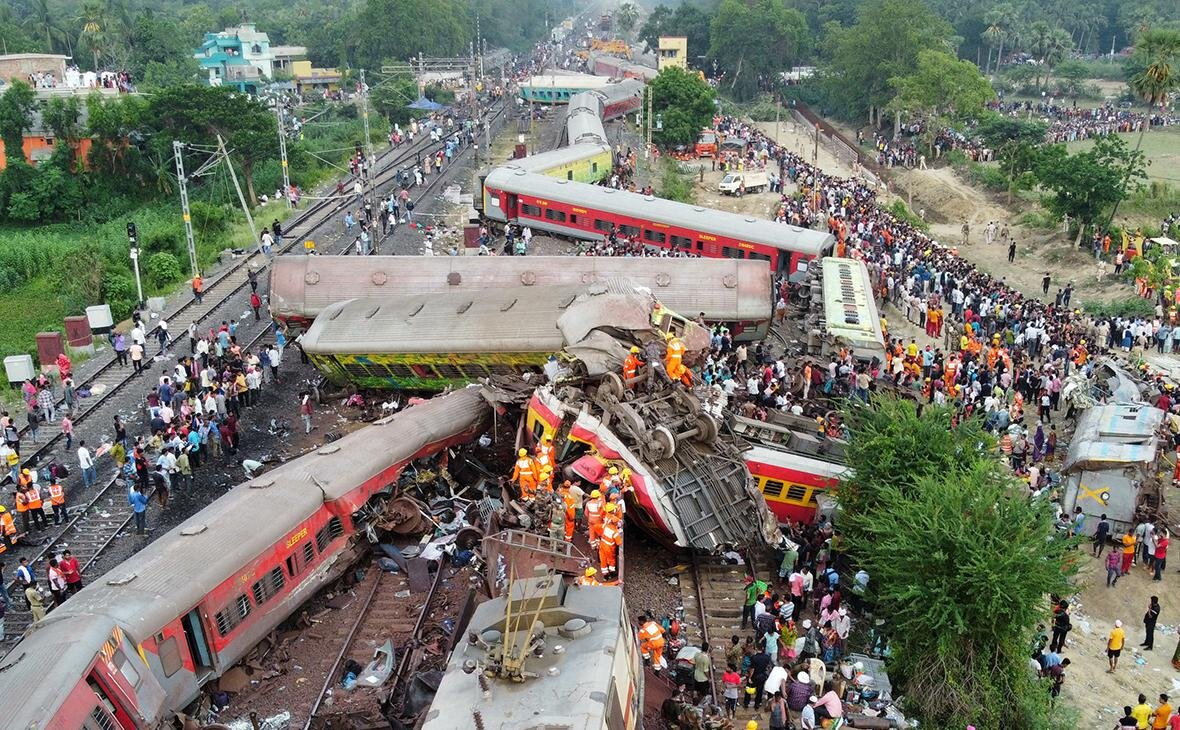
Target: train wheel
{"type": "Point", "coordinates": [706, 428]}
{"type": "Point", "coordinates": [660, 444]}
{"type": "Point", "coordinates": [612, 384]}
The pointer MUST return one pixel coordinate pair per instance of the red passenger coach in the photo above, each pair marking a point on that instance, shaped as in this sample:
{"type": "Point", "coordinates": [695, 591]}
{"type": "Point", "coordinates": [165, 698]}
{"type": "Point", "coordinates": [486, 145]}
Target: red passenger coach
{"type": "Point", "coordinates": [591, 211]}
{"type": "Point", "coordinates": [140, 642]}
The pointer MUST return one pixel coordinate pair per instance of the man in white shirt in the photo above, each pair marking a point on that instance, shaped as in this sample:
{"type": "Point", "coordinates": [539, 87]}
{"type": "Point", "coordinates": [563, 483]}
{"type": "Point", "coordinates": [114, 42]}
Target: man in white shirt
{"type": "Point", "coordinates": [775, 680]}
{"type": "Point", "coordinates": [86, 463]}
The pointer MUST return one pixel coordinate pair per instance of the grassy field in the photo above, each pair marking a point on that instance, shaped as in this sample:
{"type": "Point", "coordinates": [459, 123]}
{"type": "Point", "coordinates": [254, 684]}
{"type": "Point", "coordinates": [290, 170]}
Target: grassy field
{"type": "Point", "coordinates": [1162, 148]}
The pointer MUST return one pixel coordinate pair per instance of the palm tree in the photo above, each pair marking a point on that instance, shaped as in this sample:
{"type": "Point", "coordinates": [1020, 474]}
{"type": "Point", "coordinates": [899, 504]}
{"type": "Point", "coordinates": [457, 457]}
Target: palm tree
{"type": "Point", "coordinates": [628, 15]}
{"type": "Point", "coordinates": [1057, 45]}
{"type": "Point", "coordinates": [42, 20]}
{"type": "Point", "coordinates": [1000, 21]}
{"type": "Point", "coordinates": [1159, 50]}
{"type": "Point", "coordinates": [93, 23]}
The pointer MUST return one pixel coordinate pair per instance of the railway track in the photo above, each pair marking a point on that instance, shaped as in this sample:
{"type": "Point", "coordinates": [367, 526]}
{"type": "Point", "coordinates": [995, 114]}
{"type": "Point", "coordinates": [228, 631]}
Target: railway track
{"type": "Point", "coordinates": [109, 379]}
{"type": "Point", "coordinates": [388, 611]}
{"type": "Point", "coordinates": [713, 593]}
{"type": "Point", "coordinates": [88, 532]}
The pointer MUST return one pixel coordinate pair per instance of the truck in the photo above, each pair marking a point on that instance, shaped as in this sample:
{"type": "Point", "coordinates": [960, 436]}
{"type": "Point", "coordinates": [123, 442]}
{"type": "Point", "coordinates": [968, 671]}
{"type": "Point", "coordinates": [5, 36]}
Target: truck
{"type": "Point", "coordinates": [747, 181]}
{"type": "Point", "coordinates": [706, 145]}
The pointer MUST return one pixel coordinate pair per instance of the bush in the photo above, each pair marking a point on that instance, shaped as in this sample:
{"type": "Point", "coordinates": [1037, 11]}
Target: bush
{"type": "Point", "coordinates": [987, 176]}
{"type": "Point", "coordinates": [673, 185]}
{"type": "Point", "coordinates": [957, 159]}
{"type": "Point", "coordinates": [899, 210]}
{"type": "Point", "coordinates": [119, 292]}
{"type": "Point", "coordinates": [1125, 307]}
{"type": "Point", "coordinates": [163, 269]}
{"type": "Point", "coordinates": [213, 219]}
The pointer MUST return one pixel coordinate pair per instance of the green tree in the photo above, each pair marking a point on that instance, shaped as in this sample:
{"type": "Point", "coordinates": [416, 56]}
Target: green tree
{"type": "Point", "coordinates": [16, 115]}
{"type": "Point", "coordinates": [43, 21]}
{"type": "Point", "coordinates": [626, 17]}
{"type": "Point", "coordinates": [1001, 25]}
{"type": "Point", "coordinates": [782, 41]}
{"type": "Point", "coordinates": [941, 90]}
{"type": "Point", "coordinates": [1089, 183]}
{"type": "Point", "coordinates": [91, 19]}
{"type": "Point", "coordinates": [1017, 143]}
{"type": "Point", "coordinates": [62, 115]}
{"type": "Point", "coordinates": [960, 563]}
{"type": "Point", "coordinates": [197, 114]}
{"type": "Point", "coordinates": [687, 20]}
{"type": "Point", "coordinates": [1071, 75]}
{"type": "Point", "coordinates": [658, 23]}
{"type": "Point", "coordinates": [682, 103]}
{"type": "Point", "coordinates": [864, 57]}
{"type": "Point", "coordinates": [441, 28]}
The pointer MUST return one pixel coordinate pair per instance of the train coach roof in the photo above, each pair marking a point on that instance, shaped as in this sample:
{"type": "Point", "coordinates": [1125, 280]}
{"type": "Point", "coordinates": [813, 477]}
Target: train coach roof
{"type": "Point", "coordinates": [570, 697]}
{"type": "Point", "coordinates": [725, 289]}
{"type": "Point", "coordinates": [560, 157]}
{"type": "Point", "coordinates": [174, 573]}
{"type": "Point", "coordinates": [659, 210]}
{"type": "Point", "coordinates": [566, 81]}
{"type": "Point", "coordinates": [513, 319]}
{"type": "Point", "coordinates": [621, 90]}
{"type": "Point", "coordinates": [42, 669]}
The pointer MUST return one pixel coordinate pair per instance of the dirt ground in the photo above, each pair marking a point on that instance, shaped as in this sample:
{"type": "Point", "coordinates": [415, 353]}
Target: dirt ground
{"type": "Point", "coordinates": [1097, 695]}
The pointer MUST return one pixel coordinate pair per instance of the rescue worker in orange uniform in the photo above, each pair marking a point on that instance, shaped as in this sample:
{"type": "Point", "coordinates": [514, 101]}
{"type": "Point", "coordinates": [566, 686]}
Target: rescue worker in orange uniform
{"type": "Point", "coordinates": [588, 578]}
{"type": "Point", "coordinates": [526, 474]}
{"type": "Point", "coordinates": [594, 515]}
{"type": "Point", "coordinates": [571, 510]}
{"type": "Point", "coordinates": [22, 509]}
{"type": "Point", "coordinates": [608, 545]}
{"type": "Point", "coordinates": [546, 454]}
{"type": "Point", "coordinates": [651, 641]}
{"type": "Point", "coordinates": [33, 497]}
{"type": "Point", "coordinates": [57, 499]}
{"type": "Point", "coordinates": [611, 480]}
{"type": "Point", "coordinates": [7, 529]}
{"type": "Point", "coordinates": [674, 360]}
{"type": "Point", "coordinates": [631, 367]}
{"type": "Point", "coordinates": [545, 483]}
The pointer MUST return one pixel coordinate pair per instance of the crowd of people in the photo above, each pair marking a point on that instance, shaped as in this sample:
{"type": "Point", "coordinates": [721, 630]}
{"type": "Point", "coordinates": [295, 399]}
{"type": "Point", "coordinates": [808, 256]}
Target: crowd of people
{"type": "Point", "coordinates": [193, 410]}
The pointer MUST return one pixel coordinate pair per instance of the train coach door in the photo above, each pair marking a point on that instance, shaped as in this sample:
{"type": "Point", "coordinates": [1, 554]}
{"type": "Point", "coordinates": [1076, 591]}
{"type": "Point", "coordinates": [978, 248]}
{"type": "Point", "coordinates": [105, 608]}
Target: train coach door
{"type": "Point", "coordinates": [109, 713]}
{"type": "Point", "coordinates": [510, 211]}
{"type": "Point", "coordinates": [198, 645]}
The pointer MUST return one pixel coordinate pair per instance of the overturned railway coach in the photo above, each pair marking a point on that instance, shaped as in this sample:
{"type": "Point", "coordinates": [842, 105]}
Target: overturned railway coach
{"type": "Point", "coordinates": [737, 293]}
{"type": "Point", "coordinates": [140, 642]}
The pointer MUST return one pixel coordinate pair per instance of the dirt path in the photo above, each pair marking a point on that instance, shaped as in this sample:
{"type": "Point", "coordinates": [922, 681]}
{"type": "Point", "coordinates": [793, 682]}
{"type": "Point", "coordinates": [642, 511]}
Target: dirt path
{"type": "Point", "coordinates": [1097, 695]}
{"type": "Point", "coordinates": [946, 201]}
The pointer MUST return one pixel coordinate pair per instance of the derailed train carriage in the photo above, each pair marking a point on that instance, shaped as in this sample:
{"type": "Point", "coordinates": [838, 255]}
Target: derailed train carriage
{"type": "Point", "coordinates": [734, 292]}
{"type": "Point", "coordinates": [430, 341]}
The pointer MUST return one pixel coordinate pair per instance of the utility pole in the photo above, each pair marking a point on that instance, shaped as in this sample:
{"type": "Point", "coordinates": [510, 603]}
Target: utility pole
{"type": "Point", "coordinates": [647, 124]}
{"type": "Point", "coordinates": [133, 238]}
{"type": "Point", "coordinates": [241, 198]}
{"type": "Point", "coordinates": [370, 159]}
{"type": "Point", "coordinates": [283, 155]}
{"type": "Point", "coordinates": [178, 153]}
{"type": "Point", "coordinates": [778, 108]}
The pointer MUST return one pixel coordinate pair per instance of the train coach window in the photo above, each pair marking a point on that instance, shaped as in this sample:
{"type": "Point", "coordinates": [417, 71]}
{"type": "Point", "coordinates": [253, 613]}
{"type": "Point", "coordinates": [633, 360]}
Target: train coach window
{"type": "Point", "coordinates": [730, 252]}
{"type": "Point", "coordinates": [554, 215]}
{"type": "Point", "coordinates": [530, 210]}
{"type": "Point", "coordinates": [126, 668]}
{"type": "Point", "coordinates": [759, 256]}
{"type": "Point", "coordinates": [502, 369]}
{"type": "Point", "coordinates": [473, 371]}
{"type": "Point", "coordinates": [451, 372]}
{"type": "Point", "coordinates": [328, 533]}
{"type": "Point", "coordinates": [232, 615]}
{"type": "Point", "coordinates": [100, 719]}
{"type": "Point", "coordinates": [773, 488]}
{"type": "Point", "coordinates": [169, 652]}
{"type": "Point", "coordinates": [681, 242]}
{"type": "Point", "coordinates": [356, 370]}
{"type": "Point", "coordinates": [268, 586]}
{"type": "Point", "coordinates": [308, 553]}
{"type": "Point", "coordinates": [601, 225]}
{"type": "Point", "coordinates": [654, 236]}
{"type": "Point", "coordinates": [569, 174]}
{"type": "Point", "coordinates": [632, 231]}
{"type": "Point", "coordinates": [796, 493]}
{"type": "Point", "coordinates": [593, 167]}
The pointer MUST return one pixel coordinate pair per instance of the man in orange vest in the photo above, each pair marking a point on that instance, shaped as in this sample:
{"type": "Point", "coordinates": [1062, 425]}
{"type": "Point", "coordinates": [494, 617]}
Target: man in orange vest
{"type": "Point", "coordinates": [546, 454]}
{"type": "Point", "coordinates": [651, 642]}
{"type": "Point", "coordinates": [545, 483]}
{"type": "Point", "coordinates": [608, 544]}
{"type": "Point", "coordinates": [57, 498]}
{"type": "Point", "coordinates": [22, 509]}
{"type": "Point", "coordinates": [525, 474]}
{"type": "Point", "coordinates": [631, 367]}
{"type": "Point", "coordinates": [33, 497]}
{"type": "Point", "coordinates": [587, 578]}
{"type": "Point", "coordinates": [7, 529]}
{"type": "Point", "coordinates": [571, 505]}
{"type": "Point", "coordinates": [198, 288]}
{"type": "Point", "coordinates": [611, 480]}
{"type": "Point", "coordinates": [674, 360]}
{"type": "Point", "coordinates": [594, 514]}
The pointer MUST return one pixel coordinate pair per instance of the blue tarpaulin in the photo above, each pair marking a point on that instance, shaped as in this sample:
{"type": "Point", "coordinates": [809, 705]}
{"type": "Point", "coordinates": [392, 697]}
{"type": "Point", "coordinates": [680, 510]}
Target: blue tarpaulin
{"type": "Point", "coordinates": [424, 104]}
